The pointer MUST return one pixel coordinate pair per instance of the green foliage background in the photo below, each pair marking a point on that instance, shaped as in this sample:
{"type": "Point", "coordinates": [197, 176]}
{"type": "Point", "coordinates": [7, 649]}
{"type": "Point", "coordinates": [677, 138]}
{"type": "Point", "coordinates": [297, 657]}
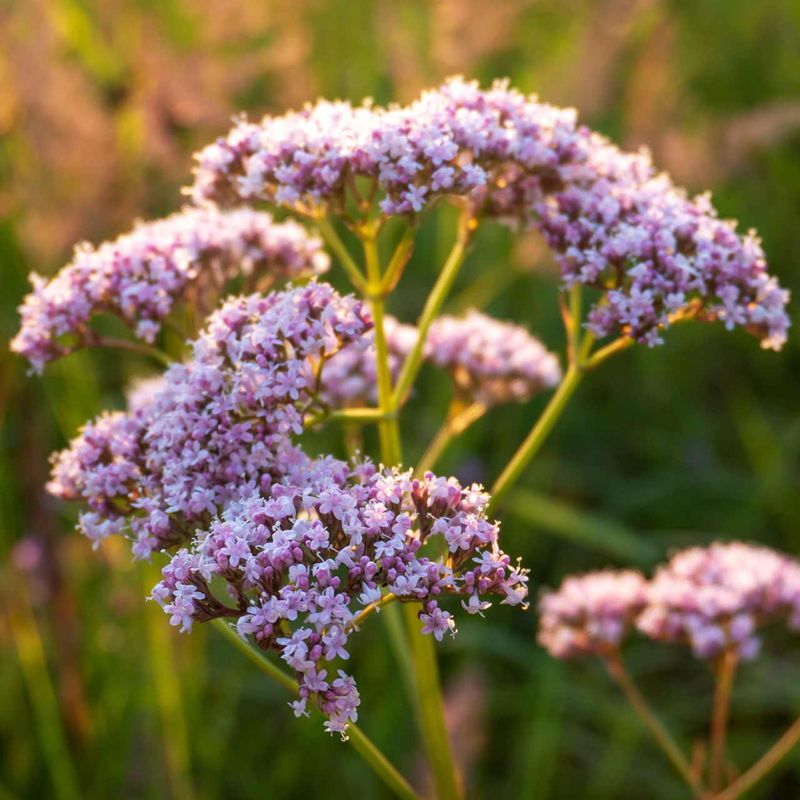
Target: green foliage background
{"type": "Point", "coordinates": [102, 103]}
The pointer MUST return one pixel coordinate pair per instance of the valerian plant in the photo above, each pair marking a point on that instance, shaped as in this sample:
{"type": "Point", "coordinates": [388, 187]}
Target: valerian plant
{"type": "Point", "coordinates": [715, 600]}
{"type": "Point", "coordinates": [290, 554]}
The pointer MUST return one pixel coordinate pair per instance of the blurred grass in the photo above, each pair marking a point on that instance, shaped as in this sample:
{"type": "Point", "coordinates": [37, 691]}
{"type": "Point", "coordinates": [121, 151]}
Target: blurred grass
{"type": "Point", "coordinates": [102, 103]}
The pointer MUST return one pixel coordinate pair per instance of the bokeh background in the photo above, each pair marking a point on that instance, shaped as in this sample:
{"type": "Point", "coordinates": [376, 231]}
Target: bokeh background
{"type": "Point", "coordinates": [102, 103]}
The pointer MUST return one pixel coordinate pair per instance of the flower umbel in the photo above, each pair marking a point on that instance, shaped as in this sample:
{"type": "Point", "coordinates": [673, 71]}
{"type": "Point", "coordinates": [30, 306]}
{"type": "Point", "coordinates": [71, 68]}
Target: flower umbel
{"type": "Point", "coordinates": [220, 424]}
{"type": "Point", "coordinates": [306, 562]}
{"type": "Point", "coordinates": [716, 598]}
{"type": "Point", "coordinates": [591, 613]}
{"type": "Point", "coordinates": [140, 276]}
{"type": "Point", "coordinates": [613, 222]}
{"type": "Point", "coordinates": [491, 362]}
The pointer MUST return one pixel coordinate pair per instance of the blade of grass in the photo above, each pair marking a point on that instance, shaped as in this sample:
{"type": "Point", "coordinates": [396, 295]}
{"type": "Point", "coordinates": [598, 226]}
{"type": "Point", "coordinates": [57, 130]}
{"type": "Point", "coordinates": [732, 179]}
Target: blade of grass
{"type": "Point", "coordinates": [591, 530]}
{"type": "Point", "coordinates": [33, 663]}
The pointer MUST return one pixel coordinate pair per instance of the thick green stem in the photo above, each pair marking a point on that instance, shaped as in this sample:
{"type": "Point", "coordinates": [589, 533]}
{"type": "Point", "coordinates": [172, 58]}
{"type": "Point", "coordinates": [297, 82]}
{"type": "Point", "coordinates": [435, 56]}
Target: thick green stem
{"type": "Point", "coordinates": [432, 307]}
{"type": "Point", "coordinates": [725, 671]}
{"type": "Point", "coordinates": [431, 706]}
{"type": "Point", "coordinates": [382, 767]}
{"type": "Point", "coordinates": [662, 736]}
{"type": "Point", "coordinates": [535, 439]}
{"type": "Point", "coordinates": [764, 765]}
{"type": "Point", "coordinates": [426, 681]}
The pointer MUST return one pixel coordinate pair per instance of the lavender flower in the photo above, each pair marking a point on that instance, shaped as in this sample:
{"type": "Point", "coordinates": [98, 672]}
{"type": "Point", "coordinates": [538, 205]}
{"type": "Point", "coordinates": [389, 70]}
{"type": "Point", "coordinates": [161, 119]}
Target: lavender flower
{"type": "Point", "coordinates": [715, 598]}
{"type": "Point", "coordinates": [220, 425]}
{"type": "Point", "coordinates": [591, 613]}
{"type": "Point", "coordinates": [491, 362]}
{"type": "Point", "coordinates": [613, 222]}
{"type": "Point", "coordinates": [140, 276]}
{"type": "Point", "coordinates": [349, 378]}
{"type": "Point", "coordinates": [305, 561]}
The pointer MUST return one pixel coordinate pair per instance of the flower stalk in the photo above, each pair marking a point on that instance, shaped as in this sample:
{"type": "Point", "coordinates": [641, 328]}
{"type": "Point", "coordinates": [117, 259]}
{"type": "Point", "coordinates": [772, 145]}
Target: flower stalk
{"type": "Point", "coordinates": [368, 751]}
{"type": "Point", "coordinates": [426, 680]}
{"type": "Point", "coordinates": [616, 669]}
{"type": "Point", "coordinates": [538, 434]}
{"type": "Point", "coordinates": [433, 305]}
{"type": "Point", "coordinates": [764, 765]}
{"type": "Point", "coordinates": [725, 673]}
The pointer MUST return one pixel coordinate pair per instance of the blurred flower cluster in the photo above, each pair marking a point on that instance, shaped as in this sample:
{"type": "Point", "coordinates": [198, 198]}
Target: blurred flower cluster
{"type": "Point", "coordinates": [713, 599]}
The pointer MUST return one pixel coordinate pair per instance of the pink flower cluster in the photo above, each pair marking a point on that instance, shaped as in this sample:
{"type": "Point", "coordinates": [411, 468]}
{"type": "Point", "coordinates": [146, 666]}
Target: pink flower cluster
{"type": "Point", "coordinates": [713, 599]}
{"type": "Point", "coordinates": [613, 222]}
{"type": "Point", "coordinates": [349, 378]}
{"type": "Point", "coordinates": [590, 613]}
{"type": "Point", "coordinates": [140, 276]}
{"type": "Point", "coordinates": [491, 362]}
{"type": "Point", "coordinates": [218, 427]}
{"type": "Point", "coordinates": [305, 561]}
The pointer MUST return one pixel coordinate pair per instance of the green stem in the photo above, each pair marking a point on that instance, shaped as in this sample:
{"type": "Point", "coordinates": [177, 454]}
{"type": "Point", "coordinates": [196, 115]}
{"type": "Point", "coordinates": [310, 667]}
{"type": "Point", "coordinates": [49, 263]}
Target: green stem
{"type": "Point", "coordinates": [574, 322]}
{"type": "Point", "coordinates": [359, 618]}
{"type": "Point", "coordinates": [258, 658]}
{"type": "Point", "coordinates": [764, 765]}
{"type": "Point", "coordinates": [168, 697]}
{"type": "Point", "coordinates": [389, 431]}
{"type": "Point", "coordinates": [426, 680]}
{"type": "Point", "coordinates": [427, 683]}
{"type": "Point", "coordinates": [132, 346]}
{"type": "Point", "coordinates": [382, 767]}
{"type": "Point", "coordinates": [398, 261]}
{"type": "Point", "coordinates": [347, 415]}
{"type": "Point", "coordinates": [33, 664]}
{"type": "Point", "coordinates": [535, 439]}
{"type": "Point", "coordinates": [599, 356]}
{"type": "Point", "coordinates": [328, 233]}
{"type": "Point", "coordinates": [432, 307]}
{"type": "Point", "coordinates": [662, 736]}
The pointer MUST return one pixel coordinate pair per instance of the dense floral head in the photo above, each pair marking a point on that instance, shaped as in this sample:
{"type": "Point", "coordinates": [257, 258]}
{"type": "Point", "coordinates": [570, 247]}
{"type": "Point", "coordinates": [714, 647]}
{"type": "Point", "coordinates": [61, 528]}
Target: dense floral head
{"type": "Point", "coordinates": [305, 561]}
{"type": "Point", "coordinates": [591, 613]}
{"type": "Point", "coordinates": [349, 378]}
{"type": "Point", "coordinates": [218, 426]}
{"type": "Point", "coordinates": [715, 598]}
{"type": "Point", "coordinates": [140, 276]}
{"type": "Point", "coordinates": [491, 362]}
{"type": "Point", "coordinates": [613, 222]}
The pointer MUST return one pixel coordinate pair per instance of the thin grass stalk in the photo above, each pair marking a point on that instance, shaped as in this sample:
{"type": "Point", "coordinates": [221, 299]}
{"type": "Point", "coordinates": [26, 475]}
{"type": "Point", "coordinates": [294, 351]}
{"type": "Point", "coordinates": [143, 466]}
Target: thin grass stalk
{"type": "Point", "coordinates": [49, 725]}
